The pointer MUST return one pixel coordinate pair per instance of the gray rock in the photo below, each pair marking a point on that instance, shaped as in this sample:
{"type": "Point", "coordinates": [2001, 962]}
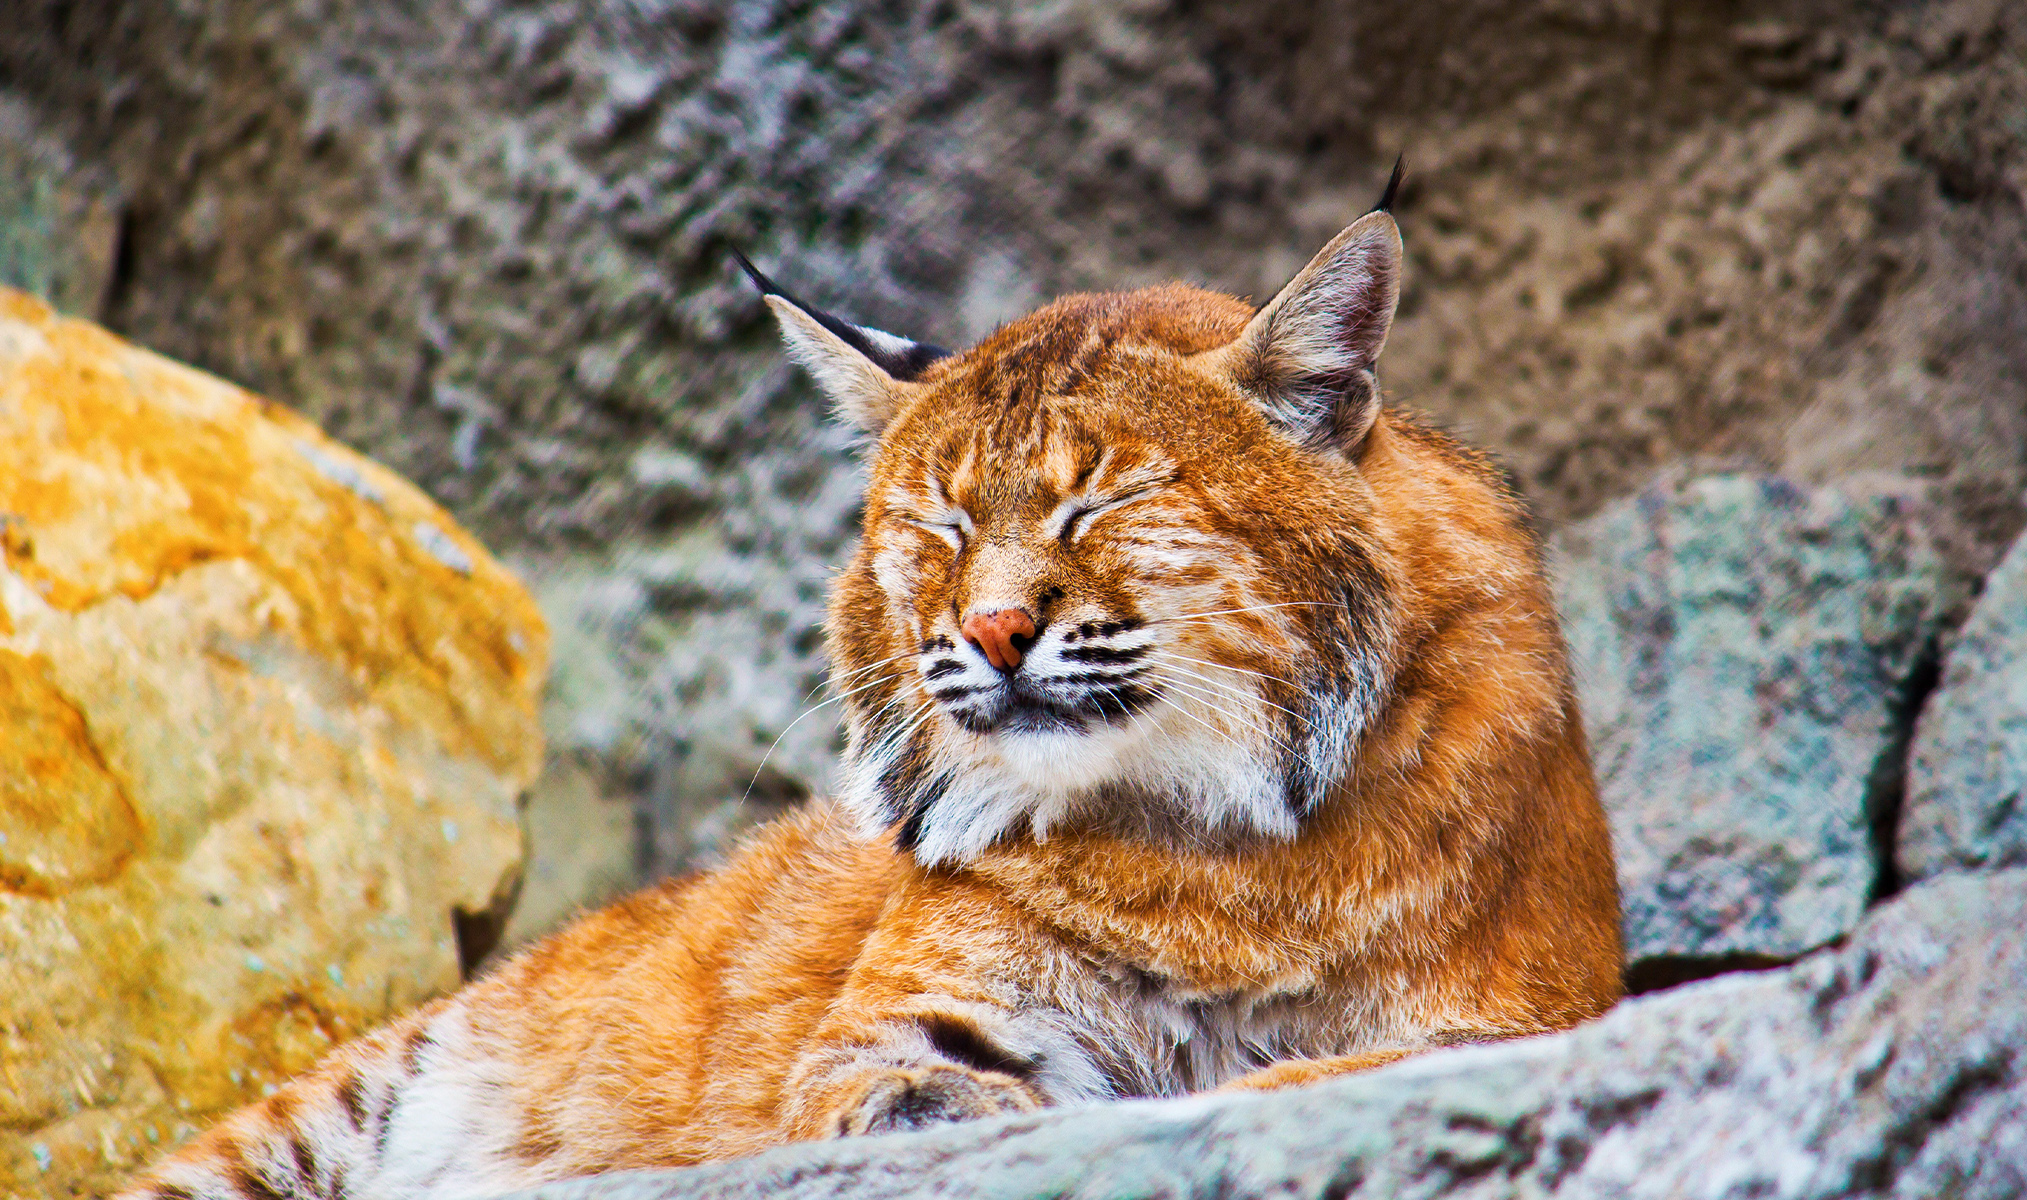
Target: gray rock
{"type": "Point", "coordinates": [1967, 779]}
{"type": "Point", "coordinates": [1894, 1066]}
{"type": "Point", "coordinates": [1741, 646]}
{"type": "Point", "coordinates": [59, 219]}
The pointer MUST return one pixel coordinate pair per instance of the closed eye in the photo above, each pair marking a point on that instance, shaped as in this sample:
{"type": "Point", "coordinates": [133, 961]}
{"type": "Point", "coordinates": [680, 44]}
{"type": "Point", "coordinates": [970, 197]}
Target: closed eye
{"type": "Point", "coordinates": [953, 527]}
{"type": "Point", "coordinates": [1075, 515]}
{"type": "Point", "coordinates": [938, 514]}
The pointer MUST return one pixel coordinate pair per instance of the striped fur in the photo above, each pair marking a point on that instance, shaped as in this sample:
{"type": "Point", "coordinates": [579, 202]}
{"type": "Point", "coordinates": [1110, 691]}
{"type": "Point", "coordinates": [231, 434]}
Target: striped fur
{"type": "Point", "coordinates": [1287, 780]}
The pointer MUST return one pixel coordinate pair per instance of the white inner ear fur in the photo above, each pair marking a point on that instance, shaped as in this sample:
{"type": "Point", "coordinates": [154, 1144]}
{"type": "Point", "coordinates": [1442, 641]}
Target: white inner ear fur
{"type": "Point", "coordinates": [1311, 350]}
{"type": "Point", "coordinates": [865, 395]}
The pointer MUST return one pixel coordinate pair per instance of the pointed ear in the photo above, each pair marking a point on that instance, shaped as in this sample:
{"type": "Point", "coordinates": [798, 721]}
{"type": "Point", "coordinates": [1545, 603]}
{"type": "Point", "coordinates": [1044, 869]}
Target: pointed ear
{"type": "Point", "coordinates": [863, 392]}
{"type": "Point", "coordinates": [1308, 357]}
{"type": "Point", "coordinates": [866, 373]}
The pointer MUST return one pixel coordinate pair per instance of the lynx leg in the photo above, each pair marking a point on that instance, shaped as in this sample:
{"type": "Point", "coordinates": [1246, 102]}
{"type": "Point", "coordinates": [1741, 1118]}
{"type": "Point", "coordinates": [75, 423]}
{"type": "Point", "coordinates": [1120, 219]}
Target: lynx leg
{"type": "Point", "coordinates": [1298, 1072]}
{"type": "Point", "coordinates": [414, 1110]}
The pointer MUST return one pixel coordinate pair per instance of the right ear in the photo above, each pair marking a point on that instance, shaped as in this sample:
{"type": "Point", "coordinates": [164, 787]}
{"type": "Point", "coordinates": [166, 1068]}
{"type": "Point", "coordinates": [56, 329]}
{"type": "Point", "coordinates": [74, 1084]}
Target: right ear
{"type": "Point", "coordinates": [866, 373]}
{"type": "Point", "coordinates": [1308, 358]}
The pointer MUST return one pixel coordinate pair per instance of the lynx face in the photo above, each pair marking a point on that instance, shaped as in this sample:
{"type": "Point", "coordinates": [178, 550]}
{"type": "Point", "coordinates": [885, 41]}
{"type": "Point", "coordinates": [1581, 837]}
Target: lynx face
{"type": "Point", "coordinates": [1117, 566]}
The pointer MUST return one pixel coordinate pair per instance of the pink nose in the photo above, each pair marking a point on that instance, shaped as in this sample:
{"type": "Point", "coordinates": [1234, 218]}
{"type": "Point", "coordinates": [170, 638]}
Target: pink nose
{"type": "Point", "coordinates": [994, 633]}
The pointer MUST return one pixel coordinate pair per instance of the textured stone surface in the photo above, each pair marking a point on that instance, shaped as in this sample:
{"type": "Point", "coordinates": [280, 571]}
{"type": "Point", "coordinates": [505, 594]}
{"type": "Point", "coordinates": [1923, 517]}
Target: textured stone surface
{"type": "Point", "coordinates": [489, 252]}
{"type": "Point", "coordinates": [264, 715]}
{"type": "Point", "coordinates": [1893, 1066]}
{"type": "Point", "coordinates": [1966, 800]}
{"type": "Point", "coordinates": [1742, 647]}
{"type": "Point", "coordinates": [59, 218]}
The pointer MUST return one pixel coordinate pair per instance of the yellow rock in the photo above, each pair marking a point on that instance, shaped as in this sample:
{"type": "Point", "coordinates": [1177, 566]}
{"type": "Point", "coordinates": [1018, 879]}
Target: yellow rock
{"type": "Point", "coordinates": [265, 713]}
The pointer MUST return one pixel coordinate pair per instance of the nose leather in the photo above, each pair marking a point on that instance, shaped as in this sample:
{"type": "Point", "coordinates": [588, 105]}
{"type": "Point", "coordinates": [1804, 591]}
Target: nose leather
{"type": "Point", "coordinates": [994, 633]}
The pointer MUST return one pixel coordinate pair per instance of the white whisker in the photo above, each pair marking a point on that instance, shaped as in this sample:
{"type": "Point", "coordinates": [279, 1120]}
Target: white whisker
{"type": "Point", "coordinates": [847, 677]}
{"type": "Point", "coordinates": [1231, 691]}
{"type": "Point", "coordinates": [1242, 670]}
{"type": "Point", "coordinates": [775, 744]}
{"type": "Point", "coordinates": [1256, 608]}
{"type": "Point", "coordinates": [1224, 733]}
{"type": "Point", "coordinates": [915, 722]}
{"type": "Point", "coordinates": [1207, 700]}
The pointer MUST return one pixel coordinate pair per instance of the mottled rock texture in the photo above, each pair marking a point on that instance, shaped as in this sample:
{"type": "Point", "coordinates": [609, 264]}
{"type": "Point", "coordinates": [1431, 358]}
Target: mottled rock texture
{"type": "Point", "coordinates": [1744, 649]}
{"type": "Point", "coordinates": [1892, 1066]}
{"type": "Point", "coordinates": [483, 241]}
{"type": "Point", "coordinates": [1966, 802]}
{"type": "Point", "coordinates": [264, 715]}
{"type": "Point", "coordinates": [59, 227]}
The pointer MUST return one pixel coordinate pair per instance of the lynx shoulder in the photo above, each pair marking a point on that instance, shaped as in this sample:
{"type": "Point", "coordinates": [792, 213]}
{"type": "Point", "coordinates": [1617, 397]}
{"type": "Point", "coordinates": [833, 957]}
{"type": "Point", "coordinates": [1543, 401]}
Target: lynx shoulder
{"type": "Point", "coordinates": [1209, 725]}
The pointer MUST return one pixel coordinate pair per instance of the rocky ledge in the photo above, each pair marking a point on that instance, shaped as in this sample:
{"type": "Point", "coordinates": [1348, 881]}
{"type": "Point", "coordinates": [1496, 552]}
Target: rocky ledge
{"type": "Point", "coordinates": [1892, 1065]}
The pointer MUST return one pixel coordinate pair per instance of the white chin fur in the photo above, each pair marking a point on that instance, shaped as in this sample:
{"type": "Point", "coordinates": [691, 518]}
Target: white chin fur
{"type": "Point", "coordinates": [1055, 764]}
{"type": "Point", "coordinates": [1219, 784]}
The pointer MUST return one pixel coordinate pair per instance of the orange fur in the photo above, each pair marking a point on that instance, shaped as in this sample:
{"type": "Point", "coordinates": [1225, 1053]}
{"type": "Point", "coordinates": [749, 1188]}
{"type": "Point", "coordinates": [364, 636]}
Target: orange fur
{"type": "Point", "coordinates": [1307, 789]}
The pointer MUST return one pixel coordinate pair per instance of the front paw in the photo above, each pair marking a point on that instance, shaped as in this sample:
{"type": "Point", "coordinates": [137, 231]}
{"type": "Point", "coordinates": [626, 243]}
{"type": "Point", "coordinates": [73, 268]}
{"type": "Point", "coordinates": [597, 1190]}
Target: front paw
{"type": "Point", "coordinates": [903, 1098]}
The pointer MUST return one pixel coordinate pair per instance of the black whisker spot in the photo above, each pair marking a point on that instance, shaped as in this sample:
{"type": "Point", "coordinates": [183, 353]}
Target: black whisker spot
{"type": "Point", "coordinates": [1086, 677]}
{"type": "Point", "coordinates": [942, 667]}
{"type": "Point", "coordinates": [973, 721]}
{"type": "Point", "coordinates": [1131, 697]}
{"type": "Point", "coordinates": [1104, 654]}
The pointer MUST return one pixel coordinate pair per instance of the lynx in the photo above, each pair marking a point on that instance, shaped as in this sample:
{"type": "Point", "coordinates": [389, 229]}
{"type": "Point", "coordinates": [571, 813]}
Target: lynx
{"type": "Point", "coordinates": [1208, 726]}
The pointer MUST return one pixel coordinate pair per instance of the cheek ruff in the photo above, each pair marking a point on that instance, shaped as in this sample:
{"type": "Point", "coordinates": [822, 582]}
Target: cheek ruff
{"type": "Point", "coordinates": [1103, 721]}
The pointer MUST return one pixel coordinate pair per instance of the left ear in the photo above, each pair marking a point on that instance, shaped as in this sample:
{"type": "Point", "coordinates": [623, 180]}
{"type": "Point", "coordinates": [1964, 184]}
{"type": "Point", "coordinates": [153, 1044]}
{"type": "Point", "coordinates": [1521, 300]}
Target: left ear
{"type": "Point", "coordinates": [1308, 358]}
{"type": "Point", "coordinates": [866, 373]}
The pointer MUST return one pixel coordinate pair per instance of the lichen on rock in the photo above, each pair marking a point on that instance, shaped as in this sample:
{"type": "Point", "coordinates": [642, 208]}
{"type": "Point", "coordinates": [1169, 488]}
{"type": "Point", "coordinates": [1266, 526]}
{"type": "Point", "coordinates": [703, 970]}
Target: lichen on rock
{"type": "Point", "coordinates": [258, 743]}
{"type": "Point", "coordinates": [1966, 803]}
{"type": "Point", "coordinates": [1743, 647]}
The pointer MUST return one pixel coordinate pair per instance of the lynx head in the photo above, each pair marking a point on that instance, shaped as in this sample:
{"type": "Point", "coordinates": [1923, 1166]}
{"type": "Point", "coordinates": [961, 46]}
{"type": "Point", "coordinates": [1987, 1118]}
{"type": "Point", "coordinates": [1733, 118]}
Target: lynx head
{"type": "Point", "coordinates": [1117, 567]}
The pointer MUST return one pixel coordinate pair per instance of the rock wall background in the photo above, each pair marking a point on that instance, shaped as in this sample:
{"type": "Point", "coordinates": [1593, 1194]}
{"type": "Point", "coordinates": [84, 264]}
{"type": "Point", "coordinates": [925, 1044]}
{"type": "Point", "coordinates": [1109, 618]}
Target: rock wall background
{"type": "Point", "coordinates": [483, 242]}
{"type": "Point", "coordinates": [1737, 291]}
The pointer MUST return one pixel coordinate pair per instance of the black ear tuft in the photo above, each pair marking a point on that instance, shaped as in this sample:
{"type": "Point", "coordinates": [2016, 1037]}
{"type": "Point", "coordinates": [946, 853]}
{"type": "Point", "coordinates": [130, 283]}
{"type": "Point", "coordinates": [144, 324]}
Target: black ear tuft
{"type": "Point", "coordinates": [900, 358]}
{"type": "Point", "coordinates": [767, 286]}
{"type": "Point", "coordinates": [1386, 198]}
